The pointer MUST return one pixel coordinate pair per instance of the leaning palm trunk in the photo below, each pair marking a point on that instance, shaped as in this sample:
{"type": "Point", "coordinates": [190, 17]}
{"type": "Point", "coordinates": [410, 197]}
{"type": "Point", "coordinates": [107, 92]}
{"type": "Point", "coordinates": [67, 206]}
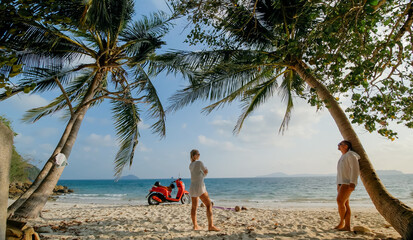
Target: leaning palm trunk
{"type": "Point", "coordinates": [399, 215]}
{"type": "Point", "coordinates": [6, 146]}
{"type": "Point", "coordinates": [31, 208]}
{"type": "Point", "coordinates": [43, 173]}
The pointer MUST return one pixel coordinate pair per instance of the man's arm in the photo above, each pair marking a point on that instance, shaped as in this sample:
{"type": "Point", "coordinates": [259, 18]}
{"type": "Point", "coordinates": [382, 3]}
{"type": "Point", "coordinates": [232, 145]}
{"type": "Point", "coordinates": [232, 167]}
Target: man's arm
{"type": "Point", "coordinates": [355, 170]}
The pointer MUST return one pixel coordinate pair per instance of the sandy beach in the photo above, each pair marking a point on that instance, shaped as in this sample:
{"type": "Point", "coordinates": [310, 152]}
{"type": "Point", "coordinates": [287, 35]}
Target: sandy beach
{"type": "Point", "coordinates": [97, 221]}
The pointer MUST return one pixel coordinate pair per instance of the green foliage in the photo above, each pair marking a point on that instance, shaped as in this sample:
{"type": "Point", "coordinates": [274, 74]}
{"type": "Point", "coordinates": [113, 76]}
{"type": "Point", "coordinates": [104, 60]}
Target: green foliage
{"type": "Point", "coordinates": [360, 50]}
{"type": "Point", "coordinates": [17, 168]}
{"type": "Point", "coordinates": [90, 51]}
{"type": "Point", "coordinates": [20, 168]}
{"type": "Point", "coordinates": [32, 172]}
{"type": "Point", "coordinates": [16, 16]}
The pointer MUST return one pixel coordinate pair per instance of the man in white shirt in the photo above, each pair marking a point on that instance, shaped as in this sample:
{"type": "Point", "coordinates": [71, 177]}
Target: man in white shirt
{"type": "Point", "coordinates": [347, 174]}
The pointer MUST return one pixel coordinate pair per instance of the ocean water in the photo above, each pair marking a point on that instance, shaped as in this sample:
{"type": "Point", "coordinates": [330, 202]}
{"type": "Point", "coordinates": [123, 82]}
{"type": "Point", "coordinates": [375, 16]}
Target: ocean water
{"type": "Point", "coordinates": [252, 192]}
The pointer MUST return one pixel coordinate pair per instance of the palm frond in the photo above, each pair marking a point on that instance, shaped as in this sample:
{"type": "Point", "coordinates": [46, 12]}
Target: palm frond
{"type": "Point", "coordinates": [41, 46]}
{"type": "Point", "coordinates": [263, 73]}
{"type": "Point", "coordinates": [107, 16]}
{"type": "Point", "coordinates": [151, 97]}
{"type": "Point", "coordinates": [126, 116]}
{"type": "Point", "coordinates": [287, 96]}
{"type": "Point", "coordinates": [154, 26]}
{"type": "Point", "coordinates": [244, 24]}
{"type": "Point", "coordinates": [75, 91]}
{"type": "Point", "coordinates": [221, 81]}
{"type": "Point", "coordinates": [36, 114]}
{"type": "Point", "coordinates": [143, 37]}
{"type": "Point", "coordinates": [254, 98]}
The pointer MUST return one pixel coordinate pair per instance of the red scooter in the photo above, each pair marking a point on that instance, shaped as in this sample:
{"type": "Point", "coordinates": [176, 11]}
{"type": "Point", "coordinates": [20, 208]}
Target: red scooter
{"type": "Point", "coordinates": [160, 194]}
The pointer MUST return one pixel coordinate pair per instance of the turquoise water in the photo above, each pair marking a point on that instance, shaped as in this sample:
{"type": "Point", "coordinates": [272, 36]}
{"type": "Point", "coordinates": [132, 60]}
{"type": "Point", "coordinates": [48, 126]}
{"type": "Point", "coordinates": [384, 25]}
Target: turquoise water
{"type": "Point", "coordinates": [258, 192]}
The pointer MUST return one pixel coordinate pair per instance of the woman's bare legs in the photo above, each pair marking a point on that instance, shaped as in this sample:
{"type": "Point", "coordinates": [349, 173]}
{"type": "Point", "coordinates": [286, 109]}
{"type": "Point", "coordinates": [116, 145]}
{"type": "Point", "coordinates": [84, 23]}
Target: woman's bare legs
{"type": "Point", "coordinates": [343, 203]}
{"type": "Point", "coordinates": [205, 199]}
{"type": "Point", "coordinates": [193, 213]}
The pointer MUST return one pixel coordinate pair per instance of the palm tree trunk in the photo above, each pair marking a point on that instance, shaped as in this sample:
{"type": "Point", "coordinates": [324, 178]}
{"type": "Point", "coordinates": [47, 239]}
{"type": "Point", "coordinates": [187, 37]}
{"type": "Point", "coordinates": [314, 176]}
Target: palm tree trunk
{"type": "Point", "coordinates": [6, 146]}
{"type": "Point", "coordinates": [43, 173]}
{"type": "Point", "coordinates": [399, 215]}
{"type": "Point", "coordinates": [36, 201]}
{"type": "Point", "coordinates": [32, 206]}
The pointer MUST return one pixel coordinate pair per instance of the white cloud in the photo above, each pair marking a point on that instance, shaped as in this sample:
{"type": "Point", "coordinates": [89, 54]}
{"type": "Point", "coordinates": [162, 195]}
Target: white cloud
{"type": "Point", "coordinates": [28, 101]}
{"type": "Point", "coordinates": [225, 145]}
{"type": "Point", "coordinates": [101, 140]}
{"type": "Point", "coordinates": [303, 122]}
{"type": "Point", "coordinates": [206, 141]}
{"type": "Point", "coordinates": [222, 123]}
{"type": "Point", "coordinates": [184, 125]}
{"type": "Point", "coordinates": [143, 125]}
{"type": "Point", "coordinates": [260, 130]}
{"type": "Point", "coordinates": [143, 148]}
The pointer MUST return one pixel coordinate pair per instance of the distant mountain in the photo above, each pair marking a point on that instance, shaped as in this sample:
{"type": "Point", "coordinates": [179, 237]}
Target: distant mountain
{"type": "Point", "coordinates": [128, 177]}
{"type": "Point", "coordinates": [276, 174]}
{"type": "Point", "coordinates": [281, 174]}
{"type": "Point", "coordinates": [389, 172]}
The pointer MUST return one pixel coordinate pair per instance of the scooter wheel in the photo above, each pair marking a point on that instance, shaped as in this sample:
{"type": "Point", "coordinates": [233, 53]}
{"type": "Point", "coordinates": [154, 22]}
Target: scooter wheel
{"type": "Point", "coordinates": [186, 199]}
{"type": "Point", "coordinates": [152, 199]}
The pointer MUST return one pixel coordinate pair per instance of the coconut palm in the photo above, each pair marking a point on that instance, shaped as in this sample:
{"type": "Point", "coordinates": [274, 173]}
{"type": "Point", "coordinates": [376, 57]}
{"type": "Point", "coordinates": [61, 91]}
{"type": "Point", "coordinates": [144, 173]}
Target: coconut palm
{"type": "Point", "coordinates": [266, 45]}
{"type": "Point", "coordinates": [97, 53]}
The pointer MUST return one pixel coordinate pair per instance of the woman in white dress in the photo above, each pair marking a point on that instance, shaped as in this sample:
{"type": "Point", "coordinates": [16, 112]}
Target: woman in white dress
{"type": "Point", "coordinates": [198, 190]}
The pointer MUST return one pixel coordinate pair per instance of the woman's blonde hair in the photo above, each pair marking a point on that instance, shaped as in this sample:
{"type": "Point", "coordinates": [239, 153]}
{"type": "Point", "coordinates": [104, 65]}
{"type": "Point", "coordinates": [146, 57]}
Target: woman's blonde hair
{"type": "Point", "coordinates": [193, 153]}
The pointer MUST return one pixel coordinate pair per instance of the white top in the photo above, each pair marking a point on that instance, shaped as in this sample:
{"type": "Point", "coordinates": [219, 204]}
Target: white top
{"type": "Point", "coordinates": [197, 187]}
{"type": "Point", "coordinates": [348, 168]}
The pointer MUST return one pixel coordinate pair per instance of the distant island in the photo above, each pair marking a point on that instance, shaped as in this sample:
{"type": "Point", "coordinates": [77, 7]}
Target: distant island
{"type": "Point", "coordinates": [129, 177]}
{"type": "Point", "coordinates": [389, 172]}
{"type": "Point", "coordinates": [281, 174]}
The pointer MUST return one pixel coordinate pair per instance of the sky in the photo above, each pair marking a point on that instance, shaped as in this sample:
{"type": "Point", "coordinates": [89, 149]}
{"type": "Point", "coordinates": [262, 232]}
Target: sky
{"type": "Point", "coordinates": [309, 146]}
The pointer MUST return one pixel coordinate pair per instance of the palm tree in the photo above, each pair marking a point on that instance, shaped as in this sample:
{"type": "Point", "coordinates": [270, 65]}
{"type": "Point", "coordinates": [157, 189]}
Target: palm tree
{"type": "Point", "coordinates": [97, 53]}
{"type": "Point", "coordinates": [265, 46]}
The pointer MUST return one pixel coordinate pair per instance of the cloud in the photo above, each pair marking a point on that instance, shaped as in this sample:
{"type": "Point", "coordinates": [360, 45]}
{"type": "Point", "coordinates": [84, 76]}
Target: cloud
{"type": "Point", "coordinates": [143, 148]}
{"type": "Point", "coordinates": [101, 140]}
{"type": "Point", "coordinates": [222, 123]}
{"type": "Point", "coordinates": [142, 125]}
{"type": "Point", "coordinates": [206, 141]}
{"type": "Point", "coordinates": [261, 129]}
{"type": "Point", "coordinates": [25, 102]}
{"type": "Point", "coordinates": [225, 145]}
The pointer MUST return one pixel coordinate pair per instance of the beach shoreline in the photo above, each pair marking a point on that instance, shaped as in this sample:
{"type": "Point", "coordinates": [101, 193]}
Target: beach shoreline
{"type": "Point", "coordinates": [172, 221]}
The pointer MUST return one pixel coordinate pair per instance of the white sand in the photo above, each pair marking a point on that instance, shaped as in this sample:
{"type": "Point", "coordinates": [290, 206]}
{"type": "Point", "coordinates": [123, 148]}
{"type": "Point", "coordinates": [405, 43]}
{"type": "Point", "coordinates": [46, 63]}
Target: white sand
{"type": "Point", "coordinates": [96, 221]}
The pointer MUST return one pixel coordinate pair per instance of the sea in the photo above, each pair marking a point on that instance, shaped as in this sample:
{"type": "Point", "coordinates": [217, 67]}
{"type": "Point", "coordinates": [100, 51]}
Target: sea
{"type": "Point", "coordinates": [229, 192]}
